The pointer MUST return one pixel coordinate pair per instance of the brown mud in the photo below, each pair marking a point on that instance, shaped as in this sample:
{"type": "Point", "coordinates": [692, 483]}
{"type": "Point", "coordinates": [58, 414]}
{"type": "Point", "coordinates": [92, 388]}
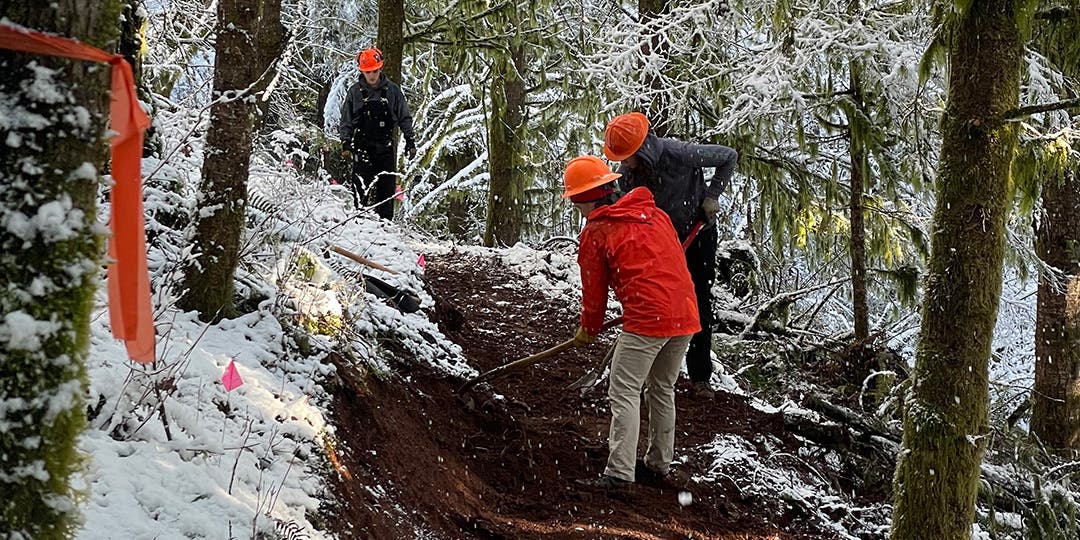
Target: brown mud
{"type": "Point", "coordinates": [415, 462]}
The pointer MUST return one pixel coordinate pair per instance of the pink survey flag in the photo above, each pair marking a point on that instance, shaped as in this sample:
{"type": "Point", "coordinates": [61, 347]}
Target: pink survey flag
{"type": "Point", "coordinates": [399, 194]}
{"type": "Point", "coordinates": [421, 262]}
{"type": "Point", "coordinates": [231, 379]}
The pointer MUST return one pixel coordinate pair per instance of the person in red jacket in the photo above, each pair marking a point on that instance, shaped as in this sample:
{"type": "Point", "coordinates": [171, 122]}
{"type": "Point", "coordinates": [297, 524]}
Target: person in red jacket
{"type": "Point", "coordinates": [631, 245]}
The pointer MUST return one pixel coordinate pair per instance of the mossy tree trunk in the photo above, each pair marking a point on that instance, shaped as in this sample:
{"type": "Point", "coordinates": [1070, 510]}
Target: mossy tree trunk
{"type": "Point", "coordinates": [50, 258]}
{"type": "Point", "coordinates": [945, 414]}
{"type": "Point", "coordinates": [506, 196]}
{"type": "Point", "coordinates": [208, 279]}
{"type": "Point", "coordinates": [1056, 414]}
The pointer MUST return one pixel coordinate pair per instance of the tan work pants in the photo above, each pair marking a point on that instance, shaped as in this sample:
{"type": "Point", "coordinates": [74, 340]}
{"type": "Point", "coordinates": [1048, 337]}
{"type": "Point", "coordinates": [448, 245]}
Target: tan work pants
{"type": "Point", "coordinates": [653, 363]}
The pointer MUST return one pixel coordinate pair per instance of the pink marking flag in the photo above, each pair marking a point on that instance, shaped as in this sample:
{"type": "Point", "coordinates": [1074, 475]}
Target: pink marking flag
{"type": "Point", "coordinates": [421, 262]}
{"type": "Point", "coordinates": [231, 379]}
{"type": "Point", "coordinates": [399, 194]}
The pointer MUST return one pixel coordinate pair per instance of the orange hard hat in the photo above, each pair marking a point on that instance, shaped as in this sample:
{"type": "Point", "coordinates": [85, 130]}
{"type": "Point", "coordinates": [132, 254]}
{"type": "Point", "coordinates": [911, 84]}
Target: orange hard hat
{"type": "Point", "coordinates": [584, 173]}
{"type": "Point", "coordinates": [624, 135]}
{"type": "Point", "coordinates": [369, 59]}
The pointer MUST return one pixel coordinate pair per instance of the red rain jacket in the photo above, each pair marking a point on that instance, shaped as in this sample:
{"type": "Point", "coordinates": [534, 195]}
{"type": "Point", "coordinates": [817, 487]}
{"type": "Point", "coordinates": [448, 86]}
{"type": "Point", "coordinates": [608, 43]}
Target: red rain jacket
{"type": "Point", "coordinates": [632, 246]}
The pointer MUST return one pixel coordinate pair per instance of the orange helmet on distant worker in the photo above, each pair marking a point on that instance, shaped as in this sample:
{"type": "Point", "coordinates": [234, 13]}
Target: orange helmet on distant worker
{"type": "Point", "coordinates": [369, 59]}
{"type": "Point", "coordinates": [624, 135]}
{"type": "Point", "coordinates": [586, 173]}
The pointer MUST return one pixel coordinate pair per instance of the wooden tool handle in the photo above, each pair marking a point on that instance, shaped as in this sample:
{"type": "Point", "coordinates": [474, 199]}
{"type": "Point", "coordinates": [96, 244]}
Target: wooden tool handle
{"type": "Point", "coordinates": [348, 254]}
{"type": "Point", "coordinates": [528, 360]}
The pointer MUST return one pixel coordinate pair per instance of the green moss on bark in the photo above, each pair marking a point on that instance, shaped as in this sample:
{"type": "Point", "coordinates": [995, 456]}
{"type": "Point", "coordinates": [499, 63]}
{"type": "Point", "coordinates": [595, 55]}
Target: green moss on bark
{"type": "Point", "coordinates": [945, 420]}
{"type": "Point", "coordinates": [50, 257]}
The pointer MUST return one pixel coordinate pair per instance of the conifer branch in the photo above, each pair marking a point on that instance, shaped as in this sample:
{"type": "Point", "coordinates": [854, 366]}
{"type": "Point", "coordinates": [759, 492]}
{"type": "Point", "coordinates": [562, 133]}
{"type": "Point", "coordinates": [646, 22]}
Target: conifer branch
{"type": "Point", "coordinates": [1056, 13]}
{"type": "Point", "coordinates": [1021, 112]}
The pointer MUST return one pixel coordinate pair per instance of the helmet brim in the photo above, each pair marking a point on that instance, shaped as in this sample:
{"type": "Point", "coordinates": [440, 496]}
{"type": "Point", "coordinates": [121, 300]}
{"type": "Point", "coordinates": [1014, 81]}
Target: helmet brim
{"type": "Point", "coordinates": [605, 179]}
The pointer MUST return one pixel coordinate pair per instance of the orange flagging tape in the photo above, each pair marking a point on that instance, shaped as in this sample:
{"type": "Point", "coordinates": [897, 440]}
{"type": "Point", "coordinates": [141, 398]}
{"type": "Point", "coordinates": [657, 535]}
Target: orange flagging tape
{"type": "Point", "coordinates": [130, 313]}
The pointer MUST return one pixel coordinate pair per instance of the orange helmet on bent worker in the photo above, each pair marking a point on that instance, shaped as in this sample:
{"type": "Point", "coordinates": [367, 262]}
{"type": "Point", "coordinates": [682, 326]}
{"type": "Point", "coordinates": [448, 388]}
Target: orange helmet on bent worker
{"type": "Point", "coordinates": [588, 179]}
{"type": "Point", "coordinates": [624, 135]}
{"type": "Point", "coordinates": [369, 59]}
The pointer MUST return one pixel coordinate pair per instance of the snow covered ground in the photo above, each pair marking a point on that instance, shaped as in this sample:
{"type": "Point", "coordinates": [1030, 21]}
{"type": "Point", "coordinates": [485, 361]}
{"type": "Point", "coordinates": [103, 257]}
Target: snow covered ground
{"type": "Point", "coordinates": [171, 453]}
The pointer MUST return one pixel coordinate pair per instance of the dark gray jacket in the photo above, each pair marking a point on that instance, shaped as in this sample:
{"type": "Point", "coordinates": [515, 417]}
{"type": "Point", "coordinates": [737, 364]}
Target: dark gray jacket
{"type": "Point", "coordinates": [363, 95]}
{"type": "Point", "coordinates": [672, 170]}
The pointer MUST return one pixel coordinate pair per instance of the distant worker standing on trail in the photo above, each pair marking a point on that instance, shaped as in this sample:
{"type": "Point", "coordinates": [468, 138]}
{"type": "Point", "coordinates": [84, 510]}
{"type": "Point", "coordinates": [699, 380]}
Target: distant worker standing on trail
{"type": "Point", "coordinates": [672, 170]}
{"type": "Point", "coordinates": [630, 244]}
{"type": "Point", "coordinates": [372, 108]}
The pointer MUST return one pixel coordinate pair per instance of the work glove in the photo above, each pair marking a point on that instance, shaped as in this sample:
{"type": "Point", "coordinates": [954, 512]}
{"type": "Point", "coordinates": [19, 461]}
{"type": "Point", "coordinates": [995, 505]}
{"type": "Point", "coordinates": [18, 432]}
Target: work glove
{"type": "Point", "coordinates": [410, 149]}
{"type": "Point", "coordinates": [582, 338]}
{"type": "Point", "coordinates": [711, 207]}
{"type": "Point", "coordinates": [345, 152]}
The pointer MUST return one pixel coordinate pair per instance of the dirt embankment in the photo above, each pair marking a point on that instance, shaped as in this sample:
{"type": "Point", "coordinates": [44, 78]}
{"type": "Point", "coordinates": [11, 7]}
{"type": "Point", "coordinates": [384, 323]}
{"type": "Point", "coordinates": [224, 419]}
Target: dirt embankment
{"type": "Point", "coordinates": [420, 464]}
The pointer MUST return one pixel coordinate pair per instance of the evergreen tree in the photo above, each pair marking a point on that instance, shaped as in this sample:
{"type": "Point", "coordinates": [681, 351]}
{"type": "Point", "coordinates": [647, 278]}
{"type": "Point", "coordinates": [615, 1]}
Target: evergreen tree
{"type": "Point", "coordinates": [1055, 164]}
{"type": "Point", "coordinates": [945, 414]}
{"type": "Point", "coordinates": [50, 259]}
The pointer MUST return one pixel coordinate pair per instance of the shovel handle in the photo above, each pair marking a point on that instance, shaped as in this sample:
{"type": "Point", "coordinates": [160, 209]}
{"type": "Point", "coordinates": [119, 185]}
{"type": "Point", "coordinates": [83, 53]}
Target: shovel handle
{"type": "Point", "coordinates": [528, 360]}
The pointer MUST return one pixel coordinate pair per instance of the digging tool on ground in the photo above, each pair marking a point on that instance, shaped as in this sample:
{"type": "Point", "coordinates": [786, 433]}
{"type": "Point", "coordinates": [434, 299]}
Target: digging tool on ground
{"type": "Point", "coordinates": [528, 360]}
{"type": "Point", "coordinates": [350, 255]}
{"type": "Point", "coordinates": [594, 374]}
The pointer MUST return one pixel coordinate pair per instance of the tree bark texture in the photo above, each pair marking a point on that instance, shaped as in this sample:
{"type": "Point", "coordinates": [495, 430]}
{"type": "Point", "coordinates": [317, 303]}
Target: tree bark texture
{"type": "Point", "coordinates": [506, 196]}
{"type": "Point", "coordinates": [50, 259]}
{"type": "Point", "coordinates": [391, 41]}
{"type": "Point", "coordinates": [945, 416]}
{"type": "Point", "coordinates": [857, 154]}
{"type": "Point", "coordinates": [391, 38]}
{"type": "Point", "coordinates": [208, 279]}
{"type": "Point", "coordinates": [1055, 417]}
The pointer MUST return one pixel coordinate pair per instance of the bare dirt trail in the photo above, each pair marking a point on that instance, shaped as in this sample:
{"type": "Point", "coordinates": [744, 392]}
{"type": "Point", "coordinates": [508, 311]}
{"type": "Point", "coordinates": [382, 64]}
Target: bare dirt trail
{"type": "Point", "coordinates": [420, 464]}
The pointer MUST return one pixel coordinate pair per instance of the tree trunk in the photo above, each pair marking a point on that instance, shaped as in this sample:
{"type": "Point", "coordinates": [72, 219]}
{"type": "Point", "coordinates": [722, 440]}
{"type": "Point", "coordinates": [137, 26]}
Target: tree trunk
{"type": "Point", "coordinates": [270, 43]}
{"type": "Point", "coordinates": [48, 274]}
{"type": "Point", "coordinates": [857, 150]}
{"type": "Point", "coordinates": [391, 37]}
{"type": "Point", "coordinates": [658, 107]}
{"type": "Point", "coordinates": [391, 41]}
{"type": "Point", "coordinates": [1056, 415]}
{"type": "Point", "coordinates": [506, 197]}
{"type": "Point", "coordinates": [945, 415]}
{"type": "Point", "coordinates": [208, 280]}
{"type": "Point", "coordinates": [132, 34]}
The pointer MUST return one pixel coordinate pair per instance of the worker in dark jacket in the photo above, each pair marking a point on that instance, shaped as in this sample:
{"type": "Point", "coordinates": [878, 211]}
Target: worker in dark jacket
{"type": "Point", "coordinates": [372, 109]}
{"type": "Point", "coordinates": [629, 244]}
{"type": "Point", "coordinates": [672, 170]}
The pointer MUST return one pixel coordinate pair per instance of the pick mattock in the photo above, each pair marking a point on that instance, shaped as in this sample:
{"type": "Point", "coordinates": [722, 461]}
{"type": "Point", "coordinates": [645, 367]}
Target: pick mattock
{"type": "Point", "coordinates": [543, 355]}
{"type": "Point", "coordinates": [528, 360]}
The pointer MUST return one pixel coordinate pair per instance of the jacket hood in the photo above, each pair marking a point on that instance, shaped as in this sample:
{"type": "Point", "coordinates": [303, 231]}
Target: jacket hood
{"type": "Point", "coordinates": [650, 150]}
{"type": "Point", "coordinates": [636, 206]}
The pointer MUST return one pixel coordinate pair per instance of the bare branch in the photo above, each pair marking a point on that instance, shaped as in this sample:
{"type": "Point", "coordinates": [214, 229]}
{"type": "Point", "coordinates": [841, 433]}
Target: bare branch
{"type": "Point", "coordinates": [1021, 112]}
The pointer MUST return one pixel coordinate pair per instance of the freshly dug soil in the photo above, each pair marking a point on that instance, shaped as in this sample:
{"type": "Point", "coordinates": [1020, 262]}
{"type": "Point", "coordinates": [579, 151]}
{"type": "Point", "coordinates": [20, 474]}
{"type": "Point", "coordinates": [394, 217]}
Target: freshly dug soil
{"type": "Point", "coordinates": [415, 461]}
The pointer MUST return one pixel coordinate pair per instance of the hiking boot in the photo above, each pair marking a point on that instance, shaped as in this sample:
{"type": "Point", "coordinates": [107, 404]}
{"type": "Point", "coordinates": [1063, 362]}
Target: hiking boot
{"type": "Point", "coordinates": [702, 390]}
{"type": "Point", "coordinates": [646, 475]}
{"type": "Point", "coordinates": [606, 483]}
